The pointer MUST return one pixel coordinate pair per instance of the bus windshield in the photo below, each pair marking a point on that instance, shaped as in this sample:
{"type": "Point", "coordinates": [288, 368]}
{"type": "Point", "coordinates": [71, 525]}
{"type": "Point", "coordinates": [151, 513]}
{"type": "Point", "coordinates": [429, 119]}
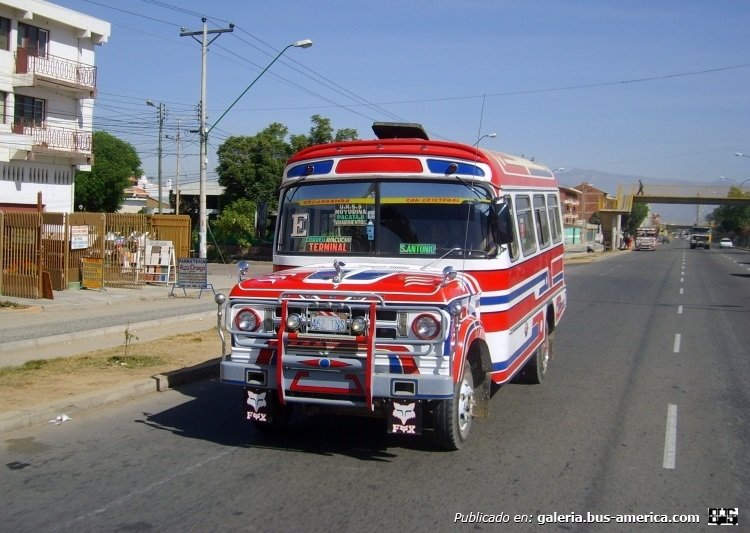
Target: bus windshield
{"type": "Point", "coordinates": [386, 218]}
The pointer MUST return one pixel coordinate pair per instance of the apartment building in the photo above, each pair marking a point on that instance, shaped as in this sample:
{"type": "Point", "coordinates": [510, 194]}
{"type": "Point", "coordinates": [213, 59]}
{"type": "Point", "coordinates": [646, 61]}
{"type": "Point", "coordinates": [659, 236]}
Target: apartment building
{"type": "Point", "coordinates": [47, 90]}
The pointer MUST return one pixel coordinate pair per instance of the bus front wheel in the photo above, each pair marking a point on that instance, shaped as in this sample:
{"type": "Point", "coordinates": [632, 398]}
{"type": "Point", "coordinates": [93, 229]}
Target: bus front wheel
{"type": "Point", "coordinates": [453, 417]}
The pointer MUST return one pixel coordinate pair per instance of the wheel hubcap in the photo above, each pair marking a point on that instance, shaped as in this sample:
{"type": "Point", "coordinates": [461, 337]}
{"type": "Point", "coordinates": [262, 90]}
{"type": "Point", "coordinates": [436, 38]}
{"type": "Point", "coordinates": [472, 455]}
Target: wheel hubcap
{"type": "Point", "coordinates": [544, 355]}
{"type": "Point", "coordinates": [465, 401]}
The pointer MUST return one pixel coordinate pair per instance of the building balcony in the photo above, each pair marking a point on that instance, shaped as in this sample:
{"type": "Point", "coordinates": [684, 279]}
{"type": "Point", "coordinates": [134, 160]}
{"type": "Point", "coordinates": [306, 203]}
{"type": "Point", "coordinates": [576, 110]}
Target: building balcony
{"type": "Point", "coordinates": [77, 78]}
{"type": "Point", "coordinates": [71, 144]}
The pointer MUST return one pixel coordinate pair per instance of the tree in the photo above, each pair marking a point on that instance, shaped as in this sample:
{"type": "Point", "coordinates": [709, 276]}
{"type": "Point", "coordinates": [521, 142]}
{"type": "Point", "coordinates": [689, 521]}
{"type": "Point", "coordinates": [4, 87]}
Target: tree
{"type": "Point", "coordinates": [633, 220]}
{"type": "Point", "coordinates": [321, 132]}
{"type": "Point", "coordinates": [250, 167]}
{"type": "Point", "coordinates": [236, 224]}
{"type": "Point", "coordinates": [733, 219]}
{"type": "Point", "coordinates": [103, 188]}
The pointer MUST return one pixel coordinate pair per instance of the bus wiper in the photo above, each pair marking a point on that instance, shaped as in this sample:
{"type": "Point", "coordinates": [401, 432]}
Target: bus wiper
{"type": "Point", "coordinates": [450, 251]}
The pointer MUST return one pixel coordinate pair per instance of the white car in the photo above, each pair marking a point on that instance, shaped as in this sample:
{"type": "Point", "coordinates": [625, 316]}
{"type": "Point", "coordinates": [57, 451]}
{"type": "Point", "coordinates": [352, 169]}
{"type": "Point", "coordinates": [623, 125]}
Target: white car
{"type": "Point", "coordinates": [726, 243]}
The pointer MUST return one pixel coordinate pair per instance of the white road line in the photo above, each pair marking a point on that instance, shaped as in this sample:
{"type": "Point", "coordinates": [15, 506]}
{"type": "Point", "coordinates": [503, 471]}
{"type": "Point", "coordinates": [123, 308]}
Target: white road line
{"type": "Point", "coordinates": [682, 291]}
{"type": "Point", "coordinates": [679, 309]}
{"type": "Point", "coordinates": [676, 345]}
{"type": "Point", "coordinates": [670, 438]}
{"type": "Point", "coordinates": [682, 280]}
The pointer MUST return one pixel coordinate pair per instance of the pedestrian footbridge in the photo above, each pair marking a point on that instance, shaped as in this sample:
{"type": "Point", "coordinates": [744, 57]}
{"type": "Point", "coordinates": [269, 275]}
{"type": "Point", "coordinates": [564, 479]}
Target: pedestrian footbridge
{"type": "Point", "coordinates": [670, 194]}
{"type": "Point", "coordinates": [687, 194]}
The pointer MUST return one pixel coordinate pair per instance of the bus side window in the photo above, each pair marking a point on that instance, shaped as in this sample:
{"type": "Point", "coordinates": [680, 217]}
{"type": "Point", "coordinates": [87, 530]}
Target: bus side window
{"type": "Point", "coordinates": [553, 208]}
{"type": "Point", "coordinates": [525, 225]}
{"type": "Point", "coordinates": [513, 246]}
{"type": "Point", "coordinates": [542, 221]}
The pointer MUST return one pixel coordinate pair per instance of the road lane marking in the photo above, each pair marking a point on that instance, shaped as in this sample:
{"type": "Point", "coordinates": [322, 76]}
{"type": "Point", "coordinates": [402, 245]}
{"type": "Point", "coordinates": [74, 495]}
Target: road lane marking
{"type": "Point", "coordinates": [682, 291]}
{"type": "Point", "coordinates": [676, 345]}
{"type": "Point", "coordinates": [682, 280]}
{"type": "Point", "coordinates": [670, 438]}
{"type": "Point", "coordinates": [679, 309]}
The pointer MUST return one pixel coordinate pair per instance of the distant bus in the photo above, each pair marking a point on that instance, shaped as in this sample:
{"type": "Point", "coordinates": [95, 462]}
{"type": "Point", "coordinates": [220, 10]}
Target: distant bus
{"type": "Point", "coordinates": [645, 238]}
{"type": "Point", "coordinates": [700, 237]}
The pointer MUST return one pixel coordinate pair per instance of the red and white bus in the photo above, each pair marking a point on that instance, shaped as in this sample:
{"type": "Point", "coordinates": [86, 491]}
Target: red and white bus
{"type": "Point", "coordinates": [410, 275]}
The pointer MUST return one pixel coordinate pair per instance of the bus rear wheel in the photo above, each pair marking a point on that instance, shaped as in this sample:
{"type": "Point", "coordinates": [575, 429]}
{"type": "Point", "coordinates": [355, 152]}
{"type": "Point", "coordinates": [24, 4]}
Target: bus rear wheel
{"type": "Point", "coordinates": [535, 370]}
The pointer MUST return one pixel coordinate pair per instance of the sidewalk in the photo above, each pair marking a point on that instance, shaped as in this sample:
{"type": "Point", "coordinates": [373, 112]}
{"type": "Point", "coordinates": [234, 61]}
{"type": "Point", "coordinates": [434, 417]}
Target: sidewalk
{"type": "Point", "coordinates": [78, 321]}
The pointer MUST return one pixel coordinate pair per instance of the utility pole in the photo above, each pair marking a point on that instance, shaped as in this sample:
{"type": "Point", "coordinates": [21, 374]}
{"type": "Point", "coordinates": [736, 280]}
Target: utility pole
{"type": "Point", "coordinates": [162, 111]}
{"type": "Point", "coordinates": [203, 133]}
{"type": "Point", "coordinates": [177, 173]}
{"type": "Point", "coordinates": [176, 139]}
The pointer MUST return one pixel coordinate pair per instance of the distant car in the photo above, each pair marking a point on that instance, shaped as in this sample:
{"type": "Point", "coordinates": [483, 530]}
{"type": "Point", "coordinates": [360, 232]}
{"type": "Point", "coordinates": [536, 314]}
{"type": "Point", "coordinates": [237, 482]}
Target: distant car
{"type": "Point", "coordinates": [726, 243]}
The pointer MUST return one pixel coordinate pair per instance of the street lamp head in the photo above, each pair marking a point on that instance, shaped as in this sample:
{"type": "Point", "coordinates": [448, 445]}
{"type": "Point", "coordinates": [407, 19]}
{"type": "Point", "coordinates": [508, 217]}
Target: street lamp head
{"type": "Point", "coordinates": [304, 43]}
{"type": "Point", "coordinates": [149, 102]}
{"type": "Point", "coordinates": [485, 136]}
{"type": "Point", "coordinates": [740, 154]}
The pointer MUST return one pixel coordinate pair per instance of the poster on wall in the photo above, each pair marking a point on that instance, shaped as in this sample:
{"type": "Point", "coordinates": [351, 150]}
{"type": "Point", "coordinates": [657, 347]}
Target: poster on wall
{"type": "Point", "coordinates": [79, 237]}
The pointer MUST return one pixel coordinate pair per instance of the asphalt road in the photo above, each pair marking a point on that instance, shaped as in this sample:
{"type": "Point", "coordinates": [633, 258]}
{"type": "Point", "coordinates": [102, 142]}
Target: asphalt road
{"type": "Point", "coordinates": [645, 411]}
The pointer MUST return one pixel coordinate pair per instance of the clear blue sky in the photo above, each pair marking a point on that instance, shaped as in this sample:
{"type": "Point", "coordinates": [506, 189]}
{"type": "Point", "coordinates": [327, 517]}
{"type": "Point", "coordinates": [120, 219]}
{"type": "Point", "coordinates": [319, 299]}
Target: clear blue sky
{"type": "Point", "coordinates": [654, 88]}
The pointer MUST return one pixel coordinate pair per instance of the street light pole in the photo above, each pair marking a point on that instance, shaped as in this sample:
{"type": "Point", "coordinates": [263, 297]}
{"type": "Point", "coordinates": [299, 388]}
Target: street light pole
{"type": "Point", "coordinates": [161, 110]}
{"type": "Point", "coordinates": [739, 184]}
{"type": "Point", "coordinates": [485, 136]}
{"type": "Point", "coordinates": [305, 43]}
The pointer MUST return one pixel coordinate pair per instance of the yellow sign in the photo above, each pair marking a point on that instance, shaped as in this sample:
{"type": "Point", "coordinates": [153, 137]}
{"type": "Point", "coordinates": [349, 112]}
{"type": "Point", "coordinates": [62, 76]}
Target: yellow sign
{"type": "Point", "coordinates": [92, 273]}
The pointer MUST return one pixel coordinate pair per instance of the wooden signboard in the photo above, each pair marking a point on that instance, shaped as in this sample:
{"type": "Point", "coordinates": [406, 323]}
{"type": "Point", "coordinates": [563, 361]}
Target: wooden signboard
{"type": "Point", "coordinates": [92, 273]}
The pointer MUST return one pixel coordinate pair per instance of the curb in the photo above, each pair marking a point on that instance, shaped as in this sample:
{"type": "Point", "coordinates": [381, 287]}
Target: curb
{"type": "Point", "coordinates": [100, 332]}
{"type": "Point", "coordinates": [39, 414]}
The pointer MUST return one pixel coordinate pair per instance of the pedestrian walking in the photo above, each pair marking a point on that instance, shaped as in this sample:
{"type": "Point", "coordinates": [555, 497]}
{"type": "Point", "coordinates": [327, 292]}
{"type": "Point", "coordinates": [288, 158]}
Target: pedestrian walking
{"type": "Point", "coordinates": [640, 188]}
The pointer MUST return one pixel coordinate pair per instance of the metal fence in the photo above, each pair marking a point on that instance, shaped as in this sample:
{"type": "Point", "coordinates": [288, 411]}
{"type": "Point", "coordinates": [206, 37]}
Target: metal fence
{"type": "Point", "coordinates": [42, 252]}
{"type": "Point", "coordinates": [19, 255]}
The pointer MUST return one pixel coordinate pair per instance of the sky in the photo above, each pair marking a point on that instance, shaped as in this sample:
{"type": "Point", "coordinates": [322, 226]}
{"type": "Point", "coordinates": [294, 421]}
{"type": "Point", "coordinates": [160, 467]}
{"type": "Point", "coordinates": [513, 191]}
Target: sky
{"type": "Point", "coordinates": [644, 88]}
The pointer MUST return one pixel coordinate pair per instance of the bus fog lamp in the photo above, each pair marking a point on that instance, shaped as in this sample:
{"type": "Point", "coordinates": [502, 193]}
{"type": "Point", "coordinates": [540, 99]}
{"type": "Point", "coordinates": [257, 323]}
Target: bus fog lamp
{"type": "Point", "coordinates": [293, 322]}
{"type": "Point", "coordinates": [359, 324]}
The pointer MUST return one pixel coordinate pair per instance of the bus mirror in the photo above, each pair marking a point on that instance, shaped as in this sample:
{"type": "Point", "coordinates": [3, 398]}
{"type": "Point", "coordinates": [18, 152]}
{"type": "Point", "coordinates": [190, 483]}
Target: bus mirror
{"type": "Point", "coordinates": [502, 224]}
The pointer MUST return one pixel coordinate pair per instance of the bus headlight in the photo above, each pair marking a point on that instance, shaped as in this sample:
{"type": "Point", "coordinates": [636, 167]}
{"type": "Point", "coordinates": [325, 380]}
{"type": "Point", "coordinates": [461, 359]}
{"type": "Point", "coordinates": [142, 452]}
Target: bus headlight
{"type": "Point", "coordinates": [246, 320]}
{"type": "Point", "coordinates": [425, 327]}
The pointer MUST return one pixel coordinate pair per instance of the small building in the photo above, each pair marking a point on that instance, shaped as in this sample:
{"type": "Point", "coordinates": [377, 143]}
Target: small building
{"type": "Point", "coordinates": [143, 197]}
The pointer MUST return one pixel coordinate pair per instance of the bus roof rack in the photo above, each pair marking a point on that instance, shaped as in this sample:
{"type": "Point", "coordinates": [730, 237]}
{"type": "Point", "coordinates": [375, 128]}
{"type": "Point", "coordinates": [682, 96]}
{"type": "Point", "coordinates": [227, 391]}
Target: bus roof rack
{"type": "Point", "coordinates": [399, 130]}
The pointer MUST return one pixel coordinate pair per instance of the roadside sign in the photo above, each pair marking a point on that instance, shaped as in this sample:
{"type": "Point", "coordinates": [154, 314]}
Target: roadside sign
{"type": "Point", "coordinates": [192, 273]}
{"type": "Point", "coordinates": [92, 273]}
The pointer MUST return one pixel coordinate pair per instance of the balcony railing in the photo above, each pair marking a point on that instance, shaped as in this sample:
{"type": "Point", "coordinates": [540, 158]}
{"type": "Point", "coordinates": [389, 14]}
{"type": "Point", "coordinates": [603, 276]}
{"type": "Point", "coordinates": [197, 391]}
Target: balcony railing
{"type": "Point", "coordinates": [57, 140]}
{"type": "Point", "coordinates": [57, 70]}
